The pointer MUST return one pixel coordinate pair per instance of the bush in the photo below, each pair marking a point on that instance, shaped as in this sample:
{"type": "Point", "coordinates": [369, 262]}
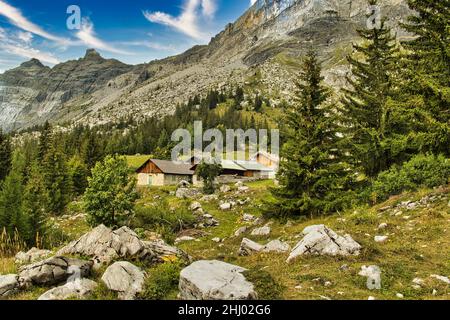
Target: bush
{"type": "Point", "coordinates": [162, 281]}
{"type": "Point", "coordinates": [422, 171]}
{"type": "Point", "coordinates": [163, 219]}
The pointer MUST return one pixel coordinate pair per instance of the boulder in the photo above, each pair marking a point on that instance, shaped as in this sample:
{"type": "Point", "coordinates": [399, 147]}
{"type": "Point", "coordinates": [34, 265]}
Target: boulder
{"type": "Point", "coordinates": [240, 231]}
{"type": "Point", "coordinates": [78, 289]}
{"type": "Point", "coordinates": [263, 231]}
{"type": "Point", "coordinates": [277, 246]}
{"type": "Point", "coordinates": [373, 274]}
{"type": "Point", "coordinates": [225, 206]}
{"type": "Point", "coordinates": [31, 256]}
{"type": "Point", "coordinates": [215, 280]}
{"type": "Point", "coordinates": [186, 193]}
{"type": "Point", "coordinates": [249, 247]}
{"type": "Point", "coordinates": [195, 206]}
{"type": "Point", "coordinates": [320, 240]}
{"type": "Point", "coordinates": [225, 188]}
{"type": "Point", "coordinates": [164, 252]}
{"type": "Point", "coordinates": [248, 217]}
{"type": "Point", "coordinates": [9, 284]}
{"type": "Point", "coordinates": [53, 271]}
{"type": "Point", "coordinates": [124, 278]}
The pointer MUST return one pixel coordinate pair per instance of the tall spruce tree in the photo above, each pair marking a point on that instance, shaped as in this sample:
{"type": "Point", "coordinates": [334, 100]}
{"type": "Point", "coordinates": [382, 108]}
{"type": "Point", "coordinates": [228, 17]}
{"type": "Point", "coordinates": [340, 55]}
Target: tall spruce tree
{"type": "Point", "coordinates": [11, 215]}
{"type": "Point", "coordinates": [314, 177]}
{"type": "Point", "coordinates": [366, 114]}
{"type": "Point", "coordinates": [5, 156]}
{"type": "Point", "coordinates": [425, 95]}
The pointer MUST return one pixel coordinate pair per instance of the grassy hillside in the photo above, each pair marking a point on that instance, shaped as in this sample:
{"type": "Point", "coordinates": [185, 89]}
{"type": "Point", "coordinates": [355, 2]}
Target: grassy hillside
{"type": "Point", "coordinates": [417, 247]}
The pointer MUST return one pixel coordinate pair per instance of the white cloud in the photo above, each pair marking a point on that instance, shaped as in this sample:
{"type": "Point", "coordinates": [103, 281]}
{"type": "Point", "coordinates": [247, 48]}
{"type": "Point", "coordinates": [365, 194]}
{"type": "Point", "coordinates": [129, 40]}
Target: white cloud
{"type": "Point", "coordinates": [26, 37]}
{"type": "Point", "coordinates": [187, 21]}
{"type": "Point", "coordinates": [88, 37]}
{"type": "Point", "coordinates": [28, 52]}
{"type": "Point", "coordinates": [16, 18]}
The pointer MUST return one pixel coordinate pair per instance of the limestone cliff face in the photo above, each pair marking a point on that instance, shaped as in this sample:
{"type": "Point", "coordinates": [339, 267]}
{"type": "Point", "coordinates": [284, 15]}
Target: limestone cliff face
{"type": "Point", "coordinates": [263, 40]}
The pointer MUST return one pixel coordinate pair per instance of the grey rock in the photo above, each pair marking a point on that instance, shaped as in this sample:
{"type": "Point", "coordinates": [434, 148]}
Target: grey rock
{"type": "Point", "coordinates": [225, 188]}
{"type": "Point", "coordinates": [195, 206]}
{"type": "Point", "coordinates": [248, 217]}
{"type": "Point", "coordinates": [162, 251]}
{"type": "Point", "coordinates": [320, 240]}
{"type": "Point", "coordinates": [225, 206]}
{"type": "Point", "coordinates": [277, 246]}
{"type": "Point", "coordinates": [53, 271]}
{"type": "Point", "coordinates": [381, 239]}
{"type": "Point", "coordinates": [263, 231]}
{"type": "Point", "coordinates": [31, 256]}
{"type": "Point", "coordinates": [249, 247]}
{"type": "Point", "coordinates": [9, 284]}
{"type": "Point", "coordinates": [78, 289]}
{"type": "Point", "coordinates": [373, 275]}
{"type": "Point", "coordinates": [215, 280]}
{"type": "Point", "coordinates": [187, 193]}
{"type": "Point", "coordinates": [124, 278]}
{"type": "Point", "coordinates": [441, 278]}
{"type": "Point", "coordinates": [240, 231]}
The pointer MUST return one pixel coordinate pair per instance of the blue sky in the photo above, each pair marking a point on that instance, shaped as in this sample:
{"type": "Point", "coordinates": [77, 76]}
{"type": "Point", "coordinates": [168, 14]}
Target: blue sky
{"type": "Point", "coordinates": [132, 31]}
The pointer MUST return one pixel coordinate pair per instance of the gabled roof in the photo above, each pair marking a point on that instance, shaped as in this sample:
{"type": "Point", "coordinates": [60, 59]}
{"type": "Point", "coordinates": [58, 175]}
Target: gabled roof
{"type": "Point", "coordinates": [170, 167]}
{"type": "Point", "coordinates": [231, 165]}
{"type": "Point", "coordinates": [253, 166]}
{"type": "Point", "coordinates": [269, 156]}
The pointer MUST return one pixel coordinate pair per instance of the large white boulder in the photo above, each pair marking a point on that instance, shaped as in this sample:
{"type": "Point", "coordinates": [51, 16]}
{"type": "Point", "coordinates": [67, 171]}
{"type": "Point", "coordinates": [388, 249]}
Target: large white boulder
{"type": "Point", "coordinates": [124, 278]}
{"type": "Point", "coordinates": [320, 240]}
{"type": "Point", "coordinates": [8, 284]}
{"type": "Point", "coordinates": [215, 280]}
{"type": "Point", "coordinates": [78, 289]}
{"type": "Point", "coordinates": [53, 271]}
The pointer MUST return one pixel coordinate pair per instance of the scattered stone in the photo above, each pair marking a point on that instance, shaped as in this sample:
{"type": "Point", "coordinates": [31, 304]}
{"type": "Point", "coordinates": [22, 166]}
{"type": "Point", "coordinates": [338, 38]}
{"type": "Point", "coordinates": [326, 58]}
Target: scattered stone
{"type": "Point", "coordinates": [249, 247]}
{"type": "Point", "coordinates": [373, 274]}
{"type": "Point", "coordinates": [225, 206]}
{"type": "Point", "coordinates": [441, 278]}
{"type": "Point", "coordinates": [399, 295]}
{"type": "Point", "coordinates": [381, 239]}
{"type": "Point", "coordinates": [248, 217]}
{"type": "Point", "coordinates": [217, 240]}
{"type": "Point", "coordinates": [371, 298]}
{"type": "Point", "coordinates": [435, 292]}
{"type": "Point", "coordinates": [9, 284]}
{"type": "Point", "coordinates": [243, 189]}
{"type": "Point", "coordinates": [239, 184]}
{"type": "Point", "coordinates": [328, 284]}
{"type": "Point", "coordinates": [416, 287]}
{"type": "Point", "coordinates": [184, 184]}
{"type": "Point", "coordinates": [164, 252]}
{"type": "Point", "coordinates": [418, 281]}
{"type": "Point", "coordinates": [225, 188]}
{"type": "Point", "coordinates": [187, 193]}
{"type": "Point", "coordinates": [264, 231]}
{"type": "Point", "coordinates": [277, 246]}
{"type": "Point", "coordinates": [240, 231]}
{"type": "Point", "coordinates": [195, 206]}
{"type": "Point", "coordinates": [31, 256]}
{"type": "Point", "coordinates": [382, 226]}
{"type": "Point", "coordinates": [53, 271]}
{"type": "Point", "coordinates": [124, 278]}
{"type": "Point", "coordinates": [209, 198]}
{"type": "Point", "coordinates": [215, 280]}
{"type": "Point", "coordinates": [79, 289]}
{"type": "Point", "coordinates": [184, 239]}
{"type": "Point", "coordinates": [385, 209]}
{"type": "Point", "coordinates": [258, 221]}
{"type": "Point", "coordinates": [320, 240]}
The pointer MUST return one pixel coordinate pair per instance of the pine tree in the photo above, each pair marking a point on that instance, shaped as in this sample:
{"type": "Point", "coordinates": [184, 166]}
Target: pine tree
{"type": "Point", "coordinates": [35, 204]}
{"type": "Point", "coordinates": [366, 114]}
{"type": "Point", "coordinates": [45, 141]}
{"type": "Point", "coordinates": [5, 156]}
{"type": "Point", "coordinates": [426, 76]}
{"type": "Point", "coordinates": [57, 180]}
{"type": "Point", "coordinates": [78, 173]}
{"type": "Point", "coordinates": [313, 175]}
{"type": "Point", "coordinates": [11, 215]}
{"type": "Point", "coordinates": [90, 150]}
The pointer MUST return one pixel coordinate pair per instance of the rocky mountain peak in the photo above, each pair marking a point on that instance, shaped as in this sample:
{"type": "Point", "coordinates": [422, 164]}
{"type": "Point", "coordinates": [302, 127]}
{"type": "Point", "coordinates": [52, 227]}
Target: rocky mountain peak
{"type": "Point", "coordinates": [32, 64]}
{"type": "Point", "coordinates": [92, 54]}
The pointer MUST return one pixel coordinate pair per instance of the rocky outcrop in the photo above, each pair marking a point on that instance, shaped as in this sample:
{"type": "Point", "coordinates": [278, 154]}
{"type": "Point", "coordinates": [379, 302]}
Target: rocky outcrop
{"type": "Point", "coordinates": [9, 284]}
{"type": "Point", "coordinates": [320, 240]}
{"type": "Point", "coordinates": [53, 271]}
{"type": "Point", "coordinates": [78, 289]}
{"type": "Point", "coordinates": [124, 278]}
{"type": "Point", "coordinates": [31, 256]}
{"type": "Point", "coordinates": [105, 245]}
{"type": "Point", "coordinates": [215, 280]}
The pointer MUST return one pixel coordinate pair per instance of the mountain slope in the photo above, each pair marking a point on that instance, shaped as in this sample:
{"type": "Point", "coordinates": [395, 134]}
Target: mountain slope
{"type": "Point", "coordinates": [267, 40]}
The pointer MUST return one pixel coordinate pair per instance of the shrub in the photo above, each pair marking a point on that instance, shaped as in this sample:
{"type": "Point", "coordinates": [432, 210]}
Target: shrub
{"type": "Point", "coordinates": [426, 171]}
{"type": "Point", "coordinates": [163, 219]}
{"type": "Point", "coordinates": [162, 281]}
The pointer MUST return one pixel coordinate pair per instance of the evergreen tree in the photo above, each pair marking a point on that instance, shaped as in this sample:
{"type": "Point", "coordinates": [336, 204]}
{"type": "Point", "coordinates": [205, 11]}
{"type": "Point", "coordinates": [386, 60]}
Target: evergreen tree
{"type": "Point", "coordinates": [45, 141]}
{"type": "Point", "coordinates": [78, 173]}
{"type": "Point", "coordinates": [426, 76]}
{"type": "Point", "coordinates": [110, 195]}
{"type": "Point", "coordinates": [11, 216]}
{"type": "Point", "coordinates": [366, 114]}
{"type": "Point", "coordinates": [35, 203]}
{"type": "Point", "coordinates": [57, 180]}
{"type": "Point", "coordinates": [90, 151]}
{"type": "Point", "coordinates": [314, 178]}
{"type": "Point", "coordinates": [5, 156]}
